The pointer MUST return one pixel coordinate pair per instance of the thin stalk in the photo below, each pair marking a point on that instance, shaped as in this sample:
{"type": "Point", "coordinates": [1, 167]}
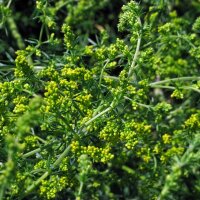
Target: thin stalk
{"type": "Point", "coordinates": [59, 160]}
{"type": "Point", "coordinates": [98, 108]}
{"type": "Point", "coordinates": [41, 140]}
{"type": "Point", "coordinates": [36, 183]}
{"type": "Point", "coordinates": [60, 4]}
{"type": "Point", "coordinates": [140, 104]}
{"type": "Point", "coordinates": [30, 92]}
{"type": "Point", "coordinates": [47, 32]}
{"type": "Point", "coordinates": [67, 124]}
{"type": "Point", "coordinates": [9, 3]}
{"type": "Point", "coordinates": [6, 68]}
{"type": "Point", "coordinates": [98, 115]}
{"type": "Point", "coordinates": [46, 174]}
{"type": "Point", "coordinates": [157, 84]}
{"type": "Point", "coordinates": [101, 75]}
{"type": "Point", "coordinates": [112, 77]}
{"type": "Point", "coordinates": [136, 51]}
{"type": "Point", "coordinates": [155, 164]}
{"type": "Point", "coordinates": [41, 33]}
{"type": "Point", "coordinates": [191, 88]}
{"type": "Point", "coordinates": [37, 150]}
{"type": "Point", "coordinates": [163, 86]}
{"type": "Point", "coordinates": [31, 153]}
{"type": "Point", "coordinates": [190, 78]}
{"type": "Point", "coordinates": [171, 36]}
{"type": "Point", "coordinates": [15, 32]}
{"type": "Point", "coordinates": [173, 88]}
{"type": "Point", "coordinates": [2, 191]}
{"type": "Point", "coordinates": [80, 189]}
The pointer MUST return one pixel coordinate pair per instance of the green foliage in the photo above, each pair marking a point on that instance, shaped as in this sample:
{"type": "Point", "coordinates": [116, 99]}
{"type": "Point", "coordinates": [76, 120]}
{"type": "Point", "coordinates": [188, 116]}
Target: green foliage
{"type": "Point", "coordinates": [89, 111]}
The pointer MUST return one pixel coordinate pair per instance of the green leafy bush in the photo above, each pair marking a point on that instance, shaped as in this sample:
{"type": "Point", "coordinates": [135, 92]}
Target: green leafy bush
{"type": "Point", "coordinates": [96, 105]}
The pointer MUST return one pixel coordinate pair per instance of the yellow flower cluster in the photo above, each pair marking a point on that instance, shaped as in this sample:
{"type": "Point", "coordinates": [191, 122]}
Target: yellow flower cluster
{"type": "Point", "coordinates": [24, 67]}
{"type": "Point", "coordinates": [177, 94]}
{"type": "Point", "coordinates": [193, 122]}
{"type": "Point", "coordinates": [84, 99]}
{"type": "Point", "coordinates": [110, 132]}
{"type": "Point", "coordinates": [49, 72]}
{"type": "Point", "coordinates": [98, 154]}
{"type": "Point", "coordinates": [31, 142]}
{"type": "Point", "coordinates": [68, 36]}
{"type": "Point", "coordinates": [21, 104]}
{"type": "Point", "coordinates": [171, 152]}
{"type": "Point", "coordinates": [130, 138]}
{"type": "Point", "coordinates": [166, 138]}
{"type": "Point", "coordinates": [79, 73]}
{"type": "Point", "coordinates": [50, 188]}
{"type": "Point", "coordinates": [71, 73]}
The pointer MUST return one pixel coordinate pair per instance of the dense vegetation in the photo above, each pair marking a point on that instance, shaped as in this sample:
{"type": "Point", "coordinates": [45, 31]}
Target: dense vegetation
{"type": "Point", "coordinates": [100, 99]}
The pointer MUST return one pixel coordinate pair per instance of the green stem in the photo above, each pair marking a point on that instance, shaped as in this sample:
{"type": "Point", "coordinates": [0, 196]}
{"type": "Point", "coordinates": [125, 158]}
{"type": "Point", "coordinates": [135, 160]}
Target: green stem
{"type": "Point", "coordinates": [98, 108]}
{"type": "Point", "coordinates": [173, 88]}
{"type": "Point", "coordinates": [163, 86]}
{"type": "Point", "coordinates": [140, 104]}
{"type": "Point", "coordinates": [9, 3]}
{"type": "Point", "coordinates": [30, 92]}
{"type": "Point", "coordinates": [63, 155]}
{"type": "Point", "coordinates": [41, 33]}
{"type": "Point", "coordinates": [38, 149]}
{"type": "Point", "coordinates": [191, 88]}
{"type": "Point", "coordinates": [15, 32]}
{"type": "Point", "coordinates": [101, 75]}
{"type": "Point", "coordinates": [136, 51]}
{"type": "Point", "coordinates": [80, 189]}
{"type": "Point", "coordinates": [171, 36]}
{"type": "Point", "coordinates": [190, 78]}
{"type": "Point", "coordinates": [41, 140]}
{"type": "Point", "coordinates": [60, 4]}
{"type": "Point", "coordinates": [98, 115]}
{"type": "Point", "coordinates": [112, 77]}
{"type": "Point", "coordinates": [31, 153]}
{"type": "Point", "coordinates": [36, 183]}
{"type": "Point", "coordinates": [46, 174]}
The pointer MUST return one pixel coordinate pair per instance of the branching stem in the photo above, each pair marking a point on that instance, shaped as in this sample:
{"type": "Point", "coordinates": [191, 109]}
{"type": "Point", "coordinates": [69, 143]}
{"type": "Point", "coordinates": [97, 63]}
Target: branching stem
{"type": "Point", "coordinates": [46, 174]}
{"type": "Point", "coordinates": [136, 51]}
{"type": "Point", "coordinates": [190, 78]}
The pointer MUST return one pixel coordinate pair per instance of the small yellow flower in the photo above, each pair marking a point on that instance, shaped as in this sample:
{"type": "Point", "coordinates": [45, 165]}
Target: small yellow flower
{"type": "Point", "coordinates": [146, 158]}
{"type": "Point", "coordinates": [166, 138]}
